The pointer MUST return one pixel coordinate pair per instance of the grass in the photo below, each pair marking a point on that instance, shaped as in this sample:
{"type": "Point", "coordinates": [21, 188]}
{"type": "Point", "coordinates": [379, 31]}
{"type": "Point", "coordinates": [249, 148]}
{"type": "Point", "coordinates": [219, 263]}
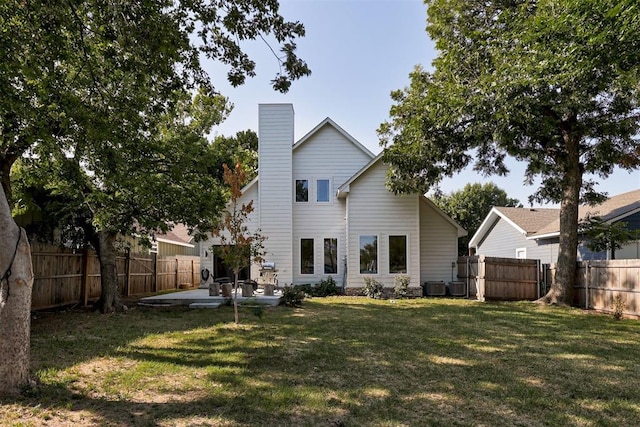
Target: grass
{"type": "Point", "coordinates": [335, 361]}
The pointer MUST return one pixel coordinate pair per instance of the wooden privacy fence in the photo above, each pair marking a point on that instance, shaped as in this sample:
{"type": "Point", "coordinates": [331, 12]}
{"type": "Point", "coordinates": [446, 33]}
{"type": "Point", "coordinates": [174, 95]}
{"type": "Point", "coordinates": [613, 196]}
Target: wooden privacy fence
{"type": "Point", "coordinates": [500, 278]}
{"type": "Point", "coordinates": [63, 276]}
{"type": "Point", "coordinates": [599, 282]}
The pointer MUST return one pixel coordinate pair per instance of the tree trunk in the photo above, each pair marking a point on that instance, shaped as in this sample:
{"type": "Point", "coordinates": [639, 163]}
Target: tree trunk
{"type": "Point", "coordinates": [15, 301]}
{"type": "Point", "coordinates": [561, 291]}
{"type": "Point", "coordinates": [235, 296]}
{"type": "Point", "coordinates": [109, 297]}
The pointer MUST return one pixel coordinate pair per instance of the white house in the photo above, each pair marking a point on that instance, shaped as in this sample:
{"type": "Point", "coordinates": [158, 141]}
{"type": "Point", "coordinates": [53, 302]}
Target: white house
{"type": "Point", "coordinates": [324, 208]}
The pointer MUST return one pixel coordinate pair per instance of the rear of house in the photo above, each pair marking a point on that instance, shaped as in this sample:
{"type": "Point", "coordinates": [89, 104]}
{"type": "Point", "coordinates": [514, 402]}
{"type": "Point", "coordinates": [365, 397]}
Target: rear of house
{"type": "Point", "coordinates": [323, 205]}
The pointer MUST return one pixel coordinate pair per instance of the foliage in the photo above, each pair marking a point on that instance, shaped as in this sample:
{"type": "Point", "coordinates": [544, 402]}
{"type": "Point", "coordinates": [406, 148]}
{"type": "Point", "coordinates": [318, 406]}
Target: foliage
{"type": "Point", "coordinates": [319, 361]}
{"type": "Point", "coordinates": [618, 307]}
{"type": "Point", "coordinates": [237, 243]}
{"type": "Point", "coordinates": [602, 236]}
{"type": "Point", "coordinates": [324, 288]}
{"type": "Point", "coordinates": [470, 206]}
{"type": "Point", "coordinates": [293, 296]}
{"type": "Point", "coordinates": [552, 83]}
{"type": "Point", "coordinates": [373, 288]}
{"type": "Point", "coordinates": [400, 285]}
{"type": "Point", "coordinates": [241, 148]}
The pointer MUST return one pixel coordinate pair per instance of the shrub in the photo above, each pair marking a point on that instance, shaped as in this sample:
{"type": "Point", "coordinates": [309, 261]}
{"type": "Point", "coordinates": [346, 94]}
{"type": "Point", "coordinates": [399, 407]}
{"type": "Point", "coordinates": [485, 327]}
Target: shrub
{"type": "Point", "coordinates": [400, 285]}
{"type": "Point", "coordinates": [292, 296]}
{"type": "Point", "coordinates": [305, 288]}
{"type": "Point", "coordinates": [326, 288]}
{"type": "Point", "coordinates": [372, 288]}
{"type": "Point", "coordinates": [618, 307]}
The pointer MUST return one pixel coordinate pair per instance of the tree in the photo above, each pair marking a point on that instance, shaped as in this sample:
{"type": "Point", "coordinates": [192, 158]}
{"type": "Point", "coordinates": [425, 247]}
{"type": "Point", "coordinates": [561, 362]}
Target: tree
{"type": "Point", "coordinates": [552, 83]}
{"type": "Point", "coordinates": [237, 243]}
{"type": "Point", "coordinates": [470, 206]}
{"type": "Point", "coordinates": [242, 148]}
{"type": "Point", "coordinates": [16, 282]}
{"type": "Point", "coordinates": [83, 81]}
{"type": "Point", "coordinates": [600, 235]}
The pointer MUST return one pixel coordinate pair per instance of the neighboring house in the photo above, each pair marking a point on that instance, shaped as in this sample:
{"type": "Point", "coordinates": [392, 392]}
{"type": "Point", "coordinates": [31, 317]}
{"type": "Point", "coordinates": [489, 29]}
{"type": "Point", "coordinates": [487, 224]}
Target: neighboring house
{"type": "Point", "coordinates": [176, 241]}
{"type": "Point", "coordinates": [534, 232]}
{"type": "Point", "coordinates": [324, 208]}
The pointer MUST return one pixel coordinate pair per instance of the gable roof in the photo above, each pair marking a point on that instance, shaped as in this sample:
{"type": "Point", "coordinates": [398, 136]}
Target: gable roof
{"type": "Point", "coordinates": [540, 223]}
{"type": "Point", "coordinates": [178, 235]}
{"type": "Point", "coordinates": [344, 133]}
{"type": "Point", "coordinates": [527, 221]}
{"type": "Point", "coordinates": [343, 190]}
{"type": "Point", "coordinates": [611, 210]}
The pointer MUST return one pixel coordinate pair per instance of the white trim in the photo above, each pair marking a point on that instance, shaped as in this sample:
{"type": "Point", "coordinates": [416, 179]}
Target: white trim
{"type": "Point", "coordinates": [521, 250]}
{"type": "Point", "coordinates": [330, 183]}
{"type": "Point", "coordinates": [544, 236]}
{"type": "Point", "coordinates": [488, 223]}
{"type": "Point", "coordinates": [295, 190]}
{"type": "Point", "coordinates": [406, 253]}
{"type": "Point", "coordinates": [337, 273]}
{"type": "Point", "coordinates": [377, 236]}
{"type": "Point", "coordinates": [174, 242]}
{"type": "Point", "coordinates": [313, 258]}
{"type": "Point", "coordinates": [339, 129]}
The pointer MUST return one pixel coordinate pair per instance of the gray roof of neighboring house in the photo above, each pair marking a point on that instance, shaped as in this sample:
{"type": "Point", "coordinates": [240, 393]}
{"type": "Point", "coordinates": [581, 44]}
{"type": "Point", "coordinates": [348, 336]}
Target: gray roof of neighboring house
{"type": "Point", "coordinates": [535, 223]}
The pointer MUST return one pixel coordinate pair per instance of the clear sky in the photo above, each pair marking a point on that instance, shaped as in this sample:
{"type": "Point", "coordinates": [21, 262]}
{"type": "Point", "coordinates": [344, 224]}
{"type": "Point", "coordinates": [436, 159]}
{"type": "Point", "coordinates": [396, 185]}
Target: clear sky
{"type": "Point", "coordinates": [358, 52]}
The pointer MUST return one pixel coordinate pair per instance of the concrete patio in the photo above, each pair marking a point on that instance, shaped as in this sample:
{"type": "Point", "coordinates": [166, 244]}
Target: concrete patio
{"type": "Point", "coordinates": [199, 298]}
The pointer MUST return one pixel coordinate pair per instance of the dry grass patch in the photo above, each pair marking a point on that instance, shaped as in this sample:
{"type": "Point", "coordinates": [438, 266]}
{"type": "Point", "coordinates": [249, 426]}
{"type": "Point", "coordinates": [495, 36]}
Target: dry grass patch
{"type": "Point", "coordinates": [335, 361]}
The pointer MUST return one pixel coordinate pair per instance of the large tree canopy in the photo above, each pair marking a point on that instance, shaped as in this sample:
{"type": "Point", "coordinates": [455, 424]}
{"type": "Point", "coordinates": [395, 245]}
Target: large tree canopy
{"type": "Point", "coordinates": [470, 206]}
{"type": "Point", "coordinates": [87, 92]}
{"type": "Point", "coordinates": [553, 83]}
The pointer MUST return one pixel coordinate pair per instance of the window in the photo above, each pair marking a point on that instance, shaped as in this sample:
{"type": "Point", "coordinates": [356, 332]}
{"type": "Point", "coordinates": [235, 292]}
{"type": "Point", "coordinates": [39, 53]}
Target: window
{"type": "Point", "coordinates": [330, 256]}
{"type": "Point", "coordinates": [368, 254]}
{"type": "Point", "coordinates": [302, 190]}
{"type": "Point", "coordinates": [323, 190]}
{"type": "Point", "coordinates": [397, 254]}
{"type": "Point", "coordinates": [306, 256]}
{"type": "Point", "coordinates": [521, 253]}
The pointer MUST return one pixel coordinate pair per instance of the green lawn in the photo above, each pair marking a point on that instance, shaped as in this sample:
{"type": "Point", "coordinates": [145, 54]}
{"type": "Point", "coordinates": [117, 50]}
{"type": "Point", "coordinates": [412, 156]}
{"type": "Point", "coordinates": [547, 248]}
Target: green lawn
{"type": "Point", "coordinates": [335, 361]}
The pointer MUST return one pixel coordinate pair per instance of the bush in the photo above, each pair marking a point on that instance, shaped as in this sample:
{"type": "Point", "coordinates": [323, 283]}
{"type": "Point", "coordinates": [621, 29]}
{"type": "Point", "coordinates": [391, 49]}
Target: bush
{"type": "Point", "coordinates": [326, 288]}
{"type": "Point", "coordinates": [618, 307]}
{"type": "Point", "coordinates": [372, 288]}
{"type": "Point", "coordinates": [292, 296]}
{"type": "Point", "coordinates": [400, 285]}
{"type": "Point", "coordinates": [305, 288]}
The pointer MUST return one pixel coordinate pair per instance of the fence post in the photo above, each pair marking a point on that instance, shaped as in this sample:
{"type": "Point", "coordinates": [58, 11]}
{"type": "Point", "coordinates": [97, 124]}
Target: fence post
{"type": "Point", "coordinates": [127, 278]}
{"type": "Point", "coordinates": [155, 273]}
{"type": "Point", "coordinates": [84, 281]}
{"type": "Point", "coordinates": [177, 272]}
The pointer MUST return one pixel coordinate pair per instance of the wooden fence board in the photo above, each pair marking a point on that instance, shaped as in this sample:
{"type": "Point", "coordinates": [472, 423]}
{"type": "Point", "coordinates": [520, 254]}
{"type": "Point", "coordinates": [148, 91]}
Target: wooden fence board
{"type": "Point", "coordinates": [63, 276]}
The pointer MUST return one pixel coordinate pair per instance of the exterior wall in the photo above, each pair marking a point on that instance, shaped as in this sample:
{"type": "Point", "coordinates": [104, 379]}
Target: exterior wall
{"type": "Point", "coordinates": [438, 246]}
{"type": "Point", "coordinates": [326, 155]}
{"type": "Point", "coordinates": [275, 193]}
{"type": "Point", "coordinates": [168, 249]}
{"type": "Point", "coordinates": [503, 240]}
{"type": "Point", "coordinates": [372, 210]}
{"type": "Point", "coordinates": [205, 252]}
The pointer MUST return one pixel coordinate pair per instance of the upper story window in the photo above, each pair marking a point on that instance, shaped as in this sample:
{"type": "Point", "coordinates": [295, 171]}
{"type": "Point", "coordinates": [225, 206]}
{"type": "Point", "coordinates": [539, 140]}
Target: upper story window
{"type": "Point", "coordinates": [323, 193]}
{"type": "Point", "coordinates": [302, 190]}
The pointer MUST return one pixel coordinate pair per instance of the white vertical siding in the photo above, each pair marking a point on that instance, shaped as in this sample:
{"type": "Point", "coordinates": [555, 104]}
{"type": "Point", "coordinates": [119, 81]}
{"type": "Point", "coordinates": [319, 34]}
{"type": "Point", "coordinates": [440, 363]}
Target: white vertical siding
{"type": "Point", "coordinates": [327, 154]}
{"type": "Point", "coordinates": [373, 210]}
{"type": "Point", "coordinates": [438, 245]}
{"type": "Point", "coordinates": [275, 199]}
